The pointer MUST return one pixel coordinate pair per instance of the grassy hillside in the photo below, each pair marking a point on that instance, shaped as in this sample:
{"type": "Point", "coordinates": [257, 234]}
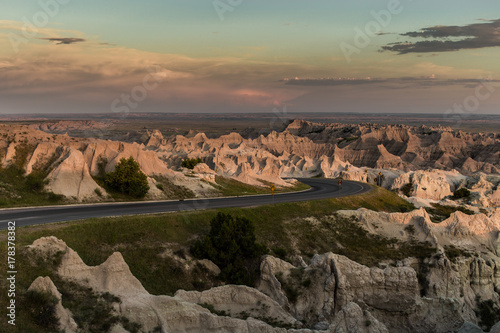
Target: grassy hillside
{"type": "Point", "coordinates": [231, 187]}
{"type": "Point", "coordinates": [18, 189]}
{"type": "Point", "coordinates": [144, 240]}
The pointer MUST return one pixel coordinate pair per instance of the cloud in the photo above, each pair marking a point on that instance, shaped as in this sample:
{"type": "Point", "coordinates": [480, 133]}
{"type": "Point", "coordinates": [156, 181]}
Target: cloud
{"type": "Point", "coordinates": [66, 40]}
{"type": "Point", "coordinates": [450, 38]}
{"type": "Point", "coordinates": [430, 81]}
{"type": "Point", "coordinates": [92, 72]}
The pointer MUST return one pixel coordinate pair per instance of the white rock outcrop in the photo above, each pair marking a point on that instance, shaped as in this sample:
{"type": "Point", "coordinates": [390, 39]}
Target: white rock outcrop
{"type": "Point", "coordinates": [180, 313]}
{"type": "Point", "coordinates": [66, 321]}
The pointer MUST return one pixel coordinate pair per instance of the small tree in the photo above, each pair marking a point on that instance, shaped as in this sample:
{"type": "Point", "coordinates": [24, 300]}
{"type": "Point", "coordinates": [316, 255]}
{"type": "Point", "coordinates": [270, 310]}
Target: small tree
{"type": "Point", "coordinates": [190, 163]}
{"type": "Point", "coordinates": [407, 189]}
{"type": "Point", "coordinates": [461, 193]}
{"type": "Point", "coordinates": [128, 179]}
{"type": "Point", "coordinates": [231, 245]}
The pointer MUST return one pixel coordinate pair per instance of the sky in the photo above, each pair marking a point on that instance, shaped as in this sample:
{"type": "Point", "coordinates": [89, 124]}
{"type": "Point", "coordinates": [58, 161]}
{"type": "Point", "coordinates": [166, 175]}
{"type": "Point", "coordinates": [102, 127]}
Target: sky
{"type": "Point", "coordinates": [176, 56]}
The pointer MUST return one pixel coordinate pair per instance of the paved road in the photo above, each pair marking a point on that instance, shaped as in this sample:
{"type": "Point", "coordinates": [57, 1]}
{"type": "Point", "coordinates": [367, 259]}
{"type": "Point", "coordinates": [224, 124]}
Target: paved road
{"type": "Point", "coordinates": [320, 189]}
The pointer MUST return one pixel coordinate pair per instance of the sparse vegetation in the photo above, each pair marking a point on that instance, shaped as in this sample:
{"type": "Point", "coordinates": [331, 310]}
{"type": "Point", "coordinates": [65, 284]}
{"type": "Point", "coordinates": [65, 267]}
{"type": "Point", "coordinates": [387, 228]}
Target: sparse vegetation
{"type": "Point", "coordinates": [19, 189]}
{"type": "Point", "coordinates": [410, 229]}
{"type": "Point", "coordinates": [347, 140]}
{"type": "Point", "coordinates": [171, 190]}
{"type": "Point", "coordinates": [101, 167]}
{"type": "Point", "coordinates": [211, 308]}
{"type": "Point", "coordinates": [42, 308]}
{"type": "Point", "coordinates": [407, 189]}
{"type": "Point", "coordinates": [294, 285]}
{"type": "Point", "coordinates": [439, 213]}
{"type": "Point", "coordinates": [21, 157]}
{"type": "Point", "coordinates": [142, 241]}
{"type": "Point", "coordinates": [453, 252]}
{"type": "Point", "coordinates": [91, 312]}
{"type": "Point", "coordinates": [488, 313]}
{"type": "Point", "coordinates": [231, 187]}
{"type": "Point", "coordinates": [346, 236]}
{"type": "Point", "coordinates": [36, 181]}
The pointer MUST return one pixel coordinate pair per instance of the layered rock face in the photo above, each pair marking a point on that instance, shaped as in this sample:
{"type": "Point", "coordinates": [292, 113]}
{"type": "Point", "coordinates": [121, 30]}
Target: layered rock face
{"type": "Point", "coordinates": [342, 295]}
{"type": "Point", "coordinates": [433, 161]}
{"type": "Point", "coordinates": [391, 295]}
{"type": "Point", "coordinates": [389, 146]}
{"type": "Point", "coordinates": [439, 293]}
{"type": "Point", "coordinates": [73, 161]}
{"type": "Point", "coordinates": [181, 313]}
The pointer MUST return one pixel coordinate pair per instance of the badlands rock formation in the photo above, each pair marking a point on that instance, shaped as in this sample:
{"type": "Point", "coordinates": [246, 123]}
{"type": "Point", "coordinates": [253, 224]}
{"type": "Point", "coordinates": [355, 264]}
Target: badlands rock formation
{"type": "Point", "coordinates": [180, 313]}
{"type": "Point", "coordinates": [387, 146]}
{"type": "Point", "coordinates": [458, 281]}
{"type": "Point", "coordinates": [45, 285]}
{"type": "Point", "coordinates": [434, 161]}
{"type": "Point", "coordinates": [72, 162]}
{"type": "Point", "coordinates": [342, 296]}
{"type": "Point", "coordinates": [440, 293]}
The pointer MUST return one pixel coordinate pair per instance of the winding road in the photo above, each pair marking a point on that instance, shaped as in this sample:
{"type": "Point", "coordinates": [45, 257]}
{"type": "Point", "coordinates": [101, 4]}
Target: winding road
{"type": "Point", "coordinates": [320, 189]}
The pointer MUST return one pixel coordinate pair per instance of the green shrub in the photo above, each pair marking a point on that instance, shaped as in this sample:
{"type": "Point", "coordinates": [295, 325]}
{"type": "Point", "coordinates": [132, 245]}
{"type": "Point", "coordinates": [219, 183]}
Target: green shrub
{"type": "Point", "coordinates": [42, 308]}
{"type": "Point", "coordinates": [407, 189]}
{"type": "Point", "coordinates": [93, 312]}
{"type": "Point", "coordinates": [21, 156]}
{"type": "Point", "coordinates": [453, 252]}
{"type": "Point", "coordinates": [101, 167]}
{"type": "Point", "coordinates": [280, 252]}
{"type": "Point", "coordinates": [488, 314]}
{"type": "Point", "coordinates": [439, 213]}
{"type": "Point", "coordinates": [231, 245]}
{"type": "Point", "coordinates": [36, 182]}
{"type": "Point", "coordinates": [128, 179]}
{"type": "Point", "coordinates": [131, 327]}
{"type": "Point", "coordinates": [410, 229]}
{"type": "Point", "coordinates": [461, 193]}
{"type": "Point", "coordinates": [190, 163]}
{"type": "Point", "coordinates": [295, 284]}
{"type": "Point", "coordinates": [53, 198]}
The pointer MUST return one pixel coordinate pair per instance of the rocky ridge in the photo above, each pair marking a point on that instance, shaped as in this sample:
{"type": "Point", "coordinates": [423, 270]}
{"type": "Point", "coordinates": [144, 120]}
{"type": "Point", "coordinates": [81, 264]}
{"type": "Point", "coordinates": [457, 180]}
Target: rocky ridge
{"type": "Point", "coordinates": [180, 313]}
{"type": "Point", "coordinates": [433, 161]}
{"type": "Point", "coordinates": [440, 293]}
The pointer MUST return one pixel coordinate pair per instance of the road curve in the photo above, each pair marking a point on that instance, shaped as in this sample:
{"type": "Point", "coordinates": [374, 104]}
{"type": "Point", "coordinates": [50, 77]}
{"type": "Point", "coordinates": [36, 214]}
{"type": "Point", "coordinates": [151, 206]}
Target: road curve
{"type": "Point", "coordinates": [320, 189]}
